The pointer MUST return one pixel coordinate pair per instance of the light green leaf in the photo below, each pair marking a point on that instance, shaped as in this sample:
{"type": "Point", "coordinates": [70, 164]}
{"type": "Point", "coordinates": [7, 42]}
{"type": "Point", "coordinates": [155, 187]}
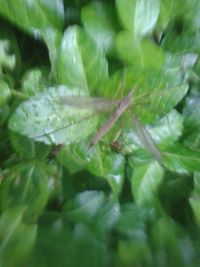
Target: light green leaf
{"type": "Point", "coordinates": [34, 15]}
{"type": "Point", "coordinates": [52, 39]}
{"type": "Point", "coordinates": [80, 63]}
{"type": "Point", "coordinates": [138, 16]}
{"type": "Point", "coordinates": [145, 181]}
{"type": "Point", "coordinates": [143, 53]}
{"type": "Point", "coordinates": [181, 159]}
{"type": "Point", "coordinates": [164, 132]}
{"type": "Point", "coordinates": [100, 22]}
{"type": "Point", "coordinates": [14, 231]}
{"type": "Point", "coordinates": [44, 118]}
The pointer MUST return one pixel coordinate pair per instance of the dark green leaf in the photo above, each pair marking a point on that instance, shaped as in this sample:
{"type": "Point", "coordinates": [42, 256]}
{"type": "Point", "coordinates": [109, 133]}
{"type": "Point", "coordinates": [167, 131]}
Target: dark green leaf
{"type": "Point", "coordinates": [84, 207]}
{"type": "Point", "coordinates": [4, 93]}
{"type": "Point", "coordinates": [4, 113]}
{"type": "Point", "coordinates": [169, 246]}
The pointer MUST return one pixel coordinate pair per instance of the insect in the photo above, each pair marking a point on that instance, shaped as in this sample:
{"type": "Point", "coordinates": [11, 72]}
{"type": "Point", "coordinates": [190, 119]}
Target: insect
{"type": "Point", "coordinates": [62, 116]}
{"type": "Point", "coordinates": [121, 106]}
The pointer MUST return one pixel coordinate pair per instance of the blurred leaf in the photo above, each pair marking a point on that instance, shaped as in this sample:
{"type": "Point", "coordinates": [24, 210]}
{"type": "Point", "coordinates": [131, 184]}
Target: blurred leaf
{"type": "Point", "coordinates": [34, 81]}
{"type": "Point", "coordinates": [4, 93]}
{"type": "Point", "coordinates": [194, 199]}
{"type": "Point", "coordinates": [143, 53]}
{"type": "Point", "coordinates": [191, 115]}
{"type": "Point", "coordinates": [166, 244]}
{"type": "Point", "coordinates": [137, 252]}
{"type": "Point", "coordinates": [14, 231]}
{"type": "Point", "coordinates": [181, 159]}
{"type": "Point", "coordinates": [34, 15]}
{"type": "Point", "coordinates": [25, 185]}
{"type": "Point", "coordinates": [108, 215]}
{"type": "Point", "coordinates": [100, 22]}
{"type": "Point", "coordinates": [44, 118]}
{"type": "Point", "coordinates": [4, 113]}
{"type": "Point", "coordinates": [28, 148]}
{"type": "Point", "coordinates": [84, 241]}
{"type": "Point", "coordinates": [145, 182]}
{"type": "Point", "coordinates": [164, 132]}
{"type": "Point", "coordinates": [84, 207]}
{"type": "Point", "coordinates": [168, 11]}
{"type": "Point", "coordinates": [80, 63]}
{"type": "Point", "coordinates": [101, 163]}
{"type": "Point", "coordinates": [52, 39]}
{"type": "Point", "coordinates": [6, 60]}
{"type": "Point", "coordinates": [139, 17]}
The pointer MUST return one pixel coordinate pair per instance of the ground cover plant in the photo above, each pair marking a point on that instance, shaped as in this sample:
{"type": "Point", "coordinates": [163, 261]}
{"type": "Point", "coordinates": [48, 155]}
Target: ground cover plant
{"type": "Point", "coordinates": [132, 198]}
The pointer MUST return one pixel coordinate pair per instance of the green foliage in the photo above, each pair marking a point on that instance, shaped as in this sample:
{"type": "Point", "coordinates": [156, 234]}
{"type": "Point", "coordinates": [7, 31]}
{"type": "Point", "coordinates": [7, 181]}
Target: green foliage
{"type": "Point", "coordinates": [64, 66]}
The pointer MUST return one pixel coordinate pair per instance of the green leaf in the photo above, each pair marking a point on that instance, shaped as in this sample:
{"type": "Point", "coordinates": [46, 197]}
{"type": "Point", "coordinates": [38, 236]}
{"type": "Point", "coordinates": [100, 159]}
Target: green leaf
{"type": "Point", "coordinates": [34, 81]}
{"type": "Point", "coordinates": [145, 182]}
{"type": "Point", "coordinates": [194, 199]}
{"type": "Point", "coordinates": [27, 148]}
{"type": "Point", "coordinates": [191, 113]}
{"type": "Point", "coordinates": [181, 159]}
{"type": "Point", "coordinates": [138, 16]}
{"type": "Point", "coordinates": [4, 93]}
{"type": "Point", "coordinates": [6, 60]}
{"type": "Point", "coordinates": [44, 118]}
{"type": "Point", "coordinates": [4, 113]}
{"type": "Point", "coordinates": [108, 215]}
{"type": "Point", "coordinates": [156, 92]}
{"type": "Point", "coordinates": [34, 15]}
{"type": "Point", "coordinates": [143, 53]}
{"type": "Point", "coordinates": [80, 63]}
{"type": "Point", "coordinates": [25, 185]}
{"type": "Point", "coordinates": [100, 162]}
{"type": "Point", "coordinates": [84, 207]}
{"type": "Point", "coordinates": [14, 231]}
{"type": "Point", "coordinates": [100, 22]}
{"type": "Point", "coordinates": [133, 253]}
{"type": "Point", "coordinates": [164, 132]}
{"type": "Point", "coordinates": [52, 39]}
{"type": "Point", "coordinates": [168, 245]}
{"type": "Point", "coordinates": [86, 249]}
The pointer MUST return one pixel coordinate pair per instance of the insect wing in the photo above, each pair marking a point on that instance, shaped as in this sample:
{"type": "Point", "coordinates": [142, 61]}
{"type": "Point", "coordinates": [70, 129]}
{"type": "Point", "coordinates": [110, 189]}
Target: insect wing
{"type": "Point", "coordinates": [146, 139]}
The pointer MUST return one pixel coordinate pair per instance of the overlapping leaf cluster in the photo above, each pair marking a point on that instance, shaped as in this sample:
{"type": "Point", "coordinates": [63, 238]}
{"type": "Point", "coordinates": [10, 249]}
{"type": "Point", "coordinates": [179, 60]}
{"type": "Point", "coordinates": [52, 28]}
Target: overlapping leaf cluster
{"type": "Point", "coordinates": [98, 206]}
